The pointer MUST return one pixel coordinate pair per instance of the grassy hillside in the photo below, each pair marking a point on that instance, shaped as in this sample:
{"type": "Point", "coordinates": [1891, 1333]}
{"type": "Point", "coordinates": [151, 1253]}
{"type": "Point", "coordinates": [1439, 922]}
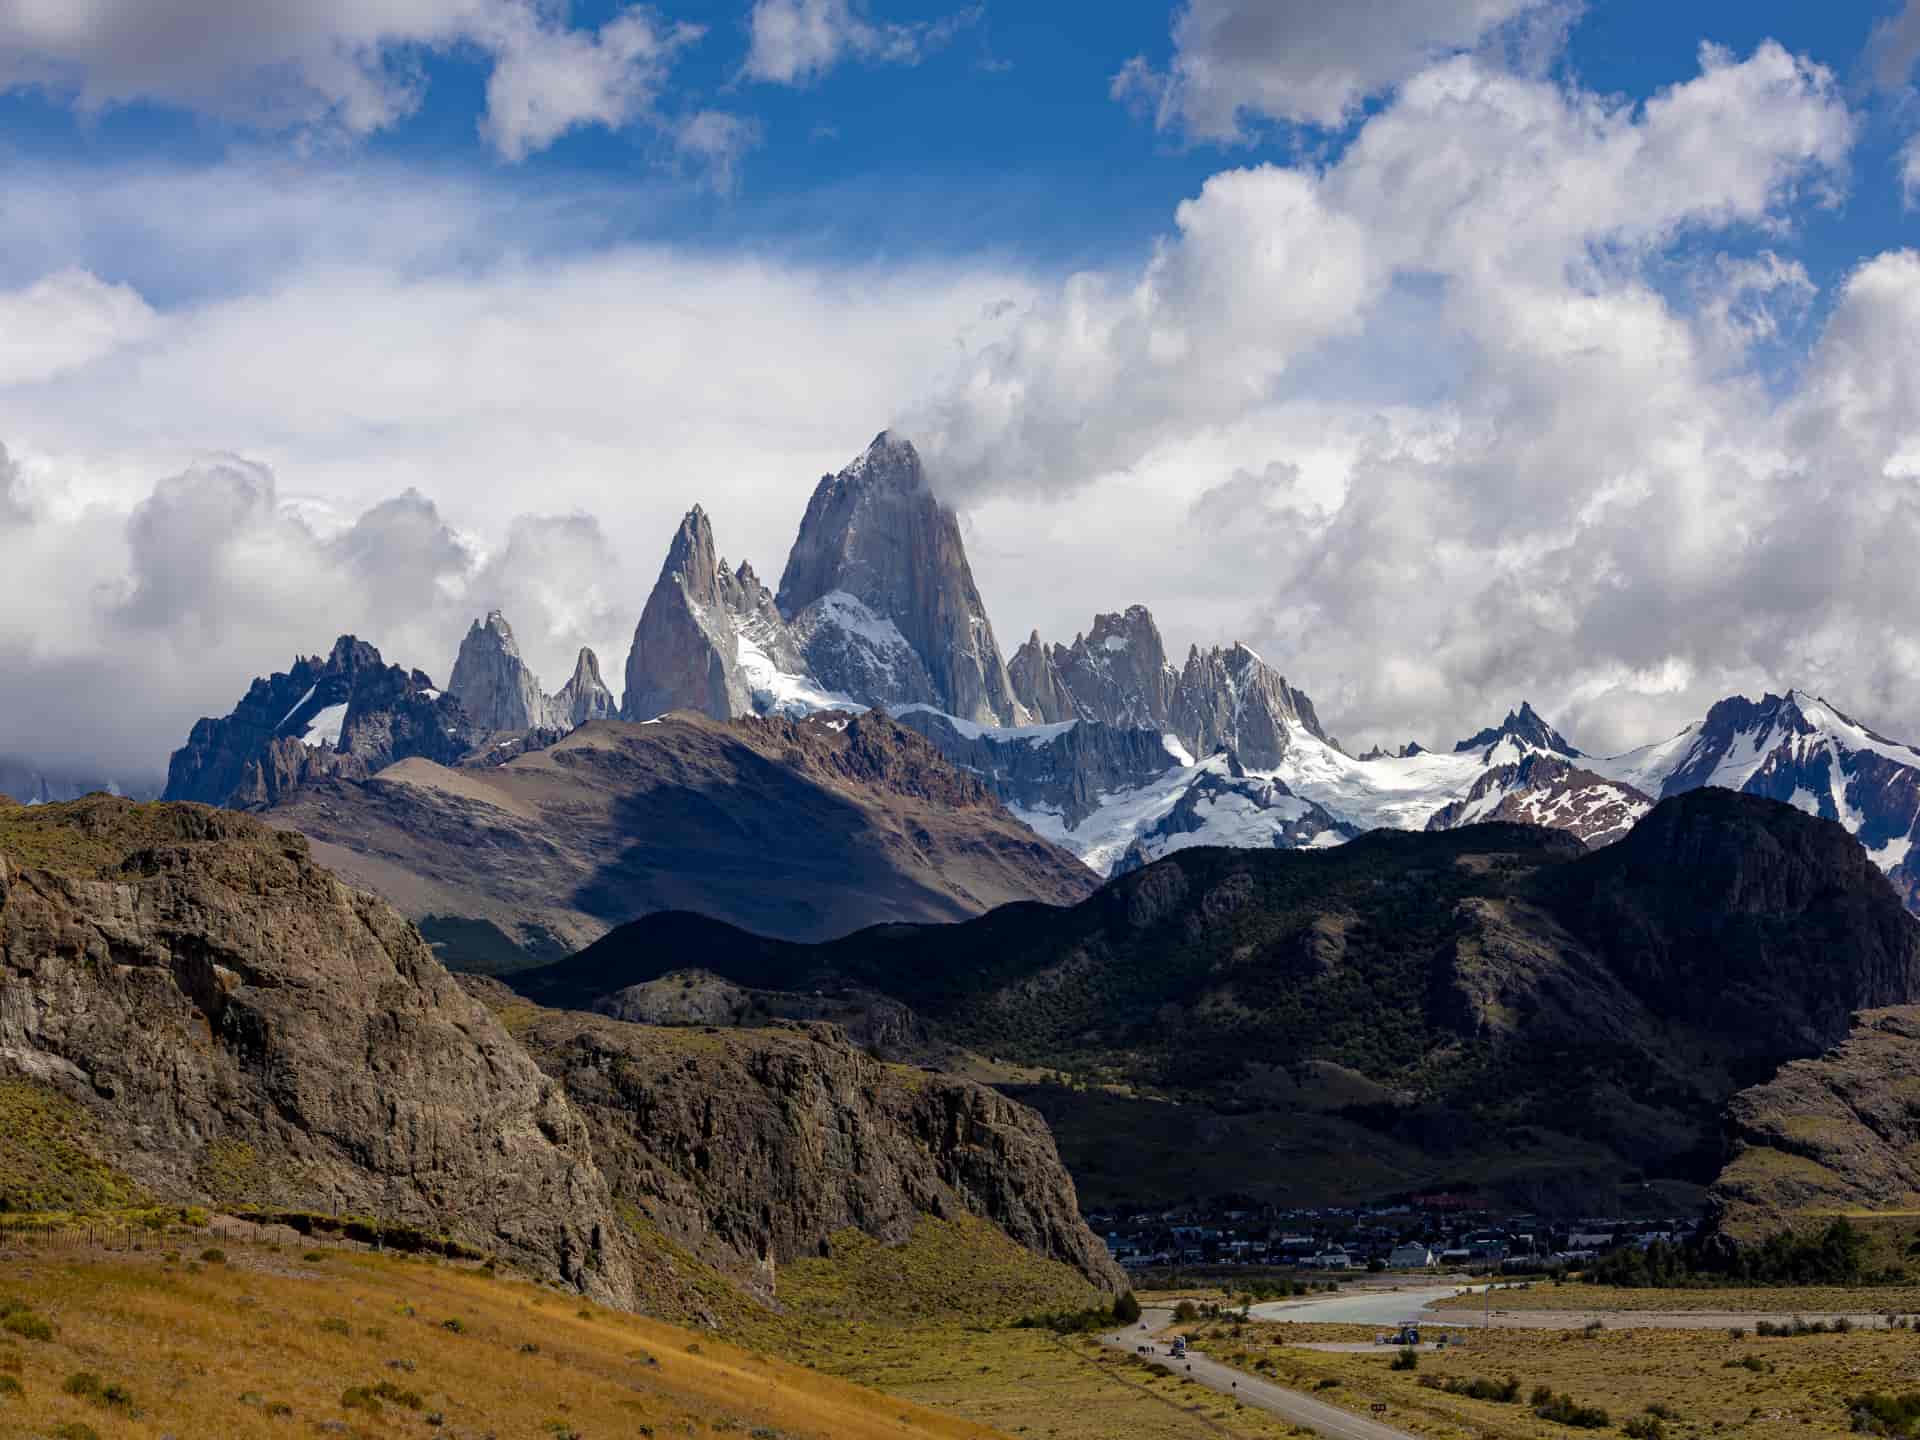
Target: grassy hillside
{"type": "Point", "coordinates": [264, 1342]}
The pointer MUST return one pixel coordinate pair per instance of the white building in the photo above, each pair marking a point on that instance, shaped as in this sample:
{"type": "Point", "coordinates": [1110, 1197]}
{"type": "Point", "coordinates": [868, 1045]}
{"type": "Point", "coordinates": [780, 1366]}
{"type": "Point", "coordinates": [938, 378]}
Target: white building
{"type": "Point", "coordinates": [1411, 1256]}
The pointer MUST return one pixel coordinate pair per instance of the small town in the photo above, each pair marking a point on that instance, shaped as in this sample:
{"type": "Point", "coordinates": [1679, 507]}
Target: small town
{"type": "Point", "coordinates": [1428, 1233]}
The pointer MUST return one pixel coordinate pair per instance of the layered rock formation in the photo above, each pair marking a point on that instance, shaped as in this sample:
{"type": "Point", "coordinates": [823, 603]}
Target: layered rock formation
{"type": "Point", "coordinates": [493, 682]}
{"type": "Point", "coordinates": [347, 715]}
{"type": "Point", "coordinates": [243, 1029]}
{"type": "Point", "coordinates": [880, 594]}
{"type": "Point", "coordinates": [751, 1148]}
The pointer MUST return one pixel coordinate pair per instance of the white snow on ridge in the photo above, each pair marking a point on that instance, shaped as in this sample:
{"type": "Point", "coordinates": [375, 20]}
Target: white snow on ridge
{"type": "Point", "coordinates": [296, 706]}
{"type": "Point", "coordinates": [1032, 734]}
{"type": "Point", "coordinates": [777, 693]}
{"type": "Point", "coordinates": [324, 731]}
{"type": "Point", "coordinates": [1103, 837]}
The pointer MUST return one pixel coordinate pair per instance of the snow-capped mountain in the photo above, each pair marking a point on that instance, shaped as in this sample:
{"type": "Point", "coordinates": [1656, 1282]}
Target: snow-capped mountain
{"type": "Point", "coordinates": [881, 597]}
{"type": "Point", "coordinates": [1799, 749]}
{"type": "Point", "coordinates": [1544, 788]}
{"type": "Point", "coordinates": [346, 714]}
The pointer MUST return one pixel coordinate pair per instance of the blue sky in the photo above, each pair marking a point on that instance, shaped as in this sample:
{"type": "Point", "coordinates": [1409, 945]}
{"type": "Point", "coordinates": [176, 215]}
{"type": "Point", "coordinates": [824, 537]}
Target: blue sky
{"type": "Point", "coordinates": [1004, 139]}
{"type": "Point", "coordinates": [1452, 352]}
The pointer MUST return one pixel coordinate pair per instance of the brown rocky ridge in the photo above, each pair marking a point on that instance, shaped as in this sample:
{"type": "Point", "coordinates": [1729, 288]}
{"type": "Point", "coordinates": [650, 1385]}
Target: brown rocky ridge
{"type": "Point", "coordinates": [234, 1026]}
{"type": "Point", "coordinates": [807, 828]}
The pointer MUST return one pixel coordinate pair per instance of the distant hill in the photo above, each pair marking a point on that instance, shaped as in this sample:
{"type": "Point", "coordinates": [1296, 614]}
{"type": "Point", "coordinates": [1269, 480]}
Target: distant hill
{"type": "Point", "coordinates": [1511, 1008]}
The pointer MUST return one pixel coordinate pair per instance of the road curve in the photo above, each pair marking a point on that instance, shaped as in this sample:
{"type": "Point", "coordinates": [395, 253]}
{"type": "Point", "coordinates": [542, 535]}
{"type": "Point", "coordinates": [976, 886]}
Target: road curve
{"type": "Point", "coordinates": [1291, 1405]}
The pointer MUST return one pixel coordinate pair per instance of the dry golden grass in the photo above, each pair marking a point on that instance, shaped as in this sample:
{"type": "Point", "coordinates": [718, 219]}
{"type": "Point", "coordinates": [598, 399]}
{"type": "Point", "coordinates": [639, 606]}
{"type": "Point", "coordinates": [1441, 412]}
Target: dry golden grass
{"type": "Point", "coordinates": [1794, 1387]}
{"type": "Point", "coordinates": [269, 1345]}
{"type": "Point", "coordinates": [1033, 1383]}
{"type": "Point", "coordinates": [1768, 1300]}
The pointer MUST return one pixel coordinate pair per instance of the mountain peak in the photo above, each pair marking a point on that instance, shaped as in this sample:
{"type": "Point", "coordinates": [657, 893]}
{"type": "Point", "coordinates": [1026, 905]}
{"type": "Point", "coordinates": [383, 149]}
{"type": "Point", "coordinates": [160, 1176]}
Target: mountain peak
{"type": "Point", "coordinates": [1525, 726]}
{"type": "Point", "coordinates": [585, 697]}
{"type": "Point", "coordinates": [492, 681]}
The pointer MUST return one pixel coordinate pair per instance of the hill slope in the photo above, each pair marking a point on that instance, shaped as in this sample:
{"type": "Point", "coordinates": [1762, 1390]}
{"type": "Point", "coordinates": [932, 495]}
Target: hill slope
{"type": "Point", "coordinates": [193, 1012]}
{"type": "Point", "coordinates": [799, 828]}
{"type": "Point", "coordinates": [1509, 1002]}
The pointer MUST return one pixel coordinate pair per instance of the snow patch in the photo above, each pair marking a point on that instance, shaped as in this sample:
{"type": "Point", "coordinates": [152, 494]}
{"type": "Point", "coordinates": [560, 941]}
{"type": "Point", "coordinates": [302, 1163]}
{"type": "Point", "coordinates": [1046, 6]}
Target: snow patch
{"type": "Point", "coordinates": [323, 733]}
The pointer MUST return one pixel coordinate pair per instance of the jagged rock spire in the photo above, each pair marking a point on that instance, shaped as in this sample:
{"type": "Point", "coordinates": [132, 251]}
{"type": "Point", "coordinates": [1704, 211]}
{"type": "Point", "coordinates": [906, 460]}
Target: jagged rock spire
{"type": "Point", "coordinates": [493, 682]}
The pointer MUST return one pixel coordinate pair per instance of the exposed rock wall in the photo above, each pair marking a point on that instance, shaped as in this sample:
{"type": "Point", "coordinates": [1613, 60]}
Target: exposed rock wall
{"type": "Point", "coordinates": [244, 1028]}
{"type": "Point", "coordinates": [1834, 1134]}
{"type": "Point", "coordinates": [752, 1147]}
{"type": "Point", "coordinates": [494, 683]}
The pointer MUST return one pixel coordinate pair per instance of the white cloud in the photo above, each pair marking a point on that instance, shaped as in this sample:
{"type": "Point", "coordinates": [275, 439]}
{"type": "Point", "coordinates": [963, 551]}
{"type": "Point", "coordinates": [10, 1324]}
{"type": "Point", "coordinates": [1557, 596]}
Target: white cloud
{"type": "Point", "coordinates": [64, 321]}
{"type": "Point", "coordinates": [1299, 60]}
{"type": "Point", "coordinates": [1477, 412]}
{"type": "Point", "coordinates": [347, 67]}
{"type": "Point", "coordinates": [1894, 47]}
{"type": "Point", "coordinates": [1909, 162]}
{"type": "Point", "coordinates": [717, 142]}
{"type": "Point", "coordinates": [795, 42]}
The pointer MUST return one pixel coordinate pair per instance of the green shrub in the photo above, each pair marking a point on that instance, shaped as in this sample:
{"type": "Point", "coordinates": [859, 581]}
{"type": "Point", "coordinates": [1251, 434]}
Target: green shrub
{"type": "Point", "coordinates": [82, 1383]}
{"type": "Point", "coordinates": [313, 1257]}
{"type": "Point", "coordinates": [1407, 1359]}
{"type": "Point", "coordinates": [454, 1325]}
{"type": "Point", "coordinates": [74, 1430]}
{"type": "Point", "coordinates": [1876, 1413]}
{"type": "Point", "coordinates": [387, 1390]}
{"type": "Point", "coordinates": [27, 1325]}
{"type": "Point", "coordinates": [1126, 1308]}
{"type": "Point", "coordinates": [1499, 1392]}
{"type": "Point", "coordinates": [334, 1325]}
{"type": "Point", "coordinates": [1185, 1311]}
{"type": "Point", "coordinates": [9, 1386]}
{"type": "Point", "coordinates": [1565, 1410]}
{"type": "Point", "coordinates": [1644, 1427]}
{"type": "Point", "coordinates": [358, 1397]}
{"type": "Point", "coordinates": [213, 1255]}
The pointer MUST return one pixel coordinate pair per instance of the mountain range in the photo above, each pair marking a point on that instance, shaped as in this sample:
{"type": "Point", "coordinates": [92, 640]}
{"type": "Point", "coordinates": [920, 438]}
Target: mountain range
{"type": "Point", "coordinates": [1104, 747]}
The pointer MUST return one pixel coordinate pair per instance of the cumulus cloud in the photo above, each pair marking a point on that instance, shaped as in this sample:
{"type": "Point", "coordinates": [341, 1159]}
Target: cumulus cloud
{"type": "Point", "coordinates": [795, 42]}
{"type": "Point", "coordinates": [1299, 60]}
{"type": "Point", "coordinates": [348, 69]}
{"type": "Point", "coordinates": [216, 576]}
{"type": "Point", "coordinates": [1479, 411]}
{"type": "Point", "coordinates": [64, 321]}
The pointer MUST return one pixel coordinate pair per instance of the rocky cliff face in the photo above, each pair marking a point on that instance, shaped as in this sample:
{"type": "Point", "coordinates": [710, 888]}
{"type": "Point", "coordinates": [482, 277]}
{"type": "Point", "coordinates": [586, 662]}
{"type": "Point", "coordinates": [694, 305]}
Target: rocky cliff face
{"type": "Point", "coordinates": [585, 696]}
{"type": "Point", "coordinates": [710, 639]}
{"type": "Point", "coordinates": [1744, 914]}
{"type": "Point", "coordinates": [1232, 699]}
{"type": "Point", "coordinates": [243, 1028]}
{"type": "Point", "coordinates": [1064, 773]}
{"type": "Point", "coordinates": [751, 1148]}
{"type": "Point", "coordinates": [1834, 1134]}
{"type": "Point", "coordinates": [1524, 726]}
{"type": "Point", "coordinates": [493, 682]}
{"type": "Point", "coordinates": [878, 552]}
{"type": "Point", "coordinates": [1117, 674]}
{"type": "Point", "coordinates": [346, 715]}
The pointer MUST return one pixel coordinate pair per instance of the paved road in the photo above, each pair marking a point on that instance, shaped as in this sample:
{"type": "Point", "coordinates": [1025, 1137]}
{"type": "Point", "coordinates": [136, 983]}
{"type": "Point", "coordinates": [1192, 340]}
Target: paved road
{"type": "Point", "coordinates": [1385, 1308]}
{"type": "Point", "coordinates": [1388, 1309]}
{"type": "Point", "coordinates": [1291, 1405]}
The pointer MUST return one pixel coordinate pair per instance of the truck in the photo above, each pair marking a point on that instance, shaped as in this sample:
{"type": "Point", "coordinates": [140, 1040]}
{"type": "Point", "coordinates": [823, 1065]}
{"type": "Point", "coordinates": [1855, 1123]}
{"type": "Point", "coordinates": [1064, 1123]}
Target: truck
{"type": "Point", "coordinates": [1179, 1346]}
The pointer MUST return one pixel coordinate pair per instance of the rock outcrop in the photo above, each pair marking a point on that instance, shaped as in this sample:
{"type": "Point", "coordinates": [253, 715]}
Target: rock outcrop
{"type": "Point", "coordinates": [347, 716]}
{"type": "Point", "coordinates": [1232, 699]}
{"type": "Point", "coordinates": [1526, 727]}
{"type": "Point", "coordinates": [1833, 1135]}
{"type": "Point", "coordinates": [709, 638]}
{"type": "Point", "coordinates": [752, 1147]}
{"type": "Point", "coordinates": [1065, 773]}
{"type": "Point", "coordinates": [1540, 788]}
{"type": "Point", "coordinates": [1117, 674]}
{"type": "Point", "coordinates": [585, 696]}
{"type": "Point", "coordinates": [244, 1029]}
{"type": "Point", "coordinates": [882, 599]}
{"type": "Point", "coordinates": [494, 684]}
